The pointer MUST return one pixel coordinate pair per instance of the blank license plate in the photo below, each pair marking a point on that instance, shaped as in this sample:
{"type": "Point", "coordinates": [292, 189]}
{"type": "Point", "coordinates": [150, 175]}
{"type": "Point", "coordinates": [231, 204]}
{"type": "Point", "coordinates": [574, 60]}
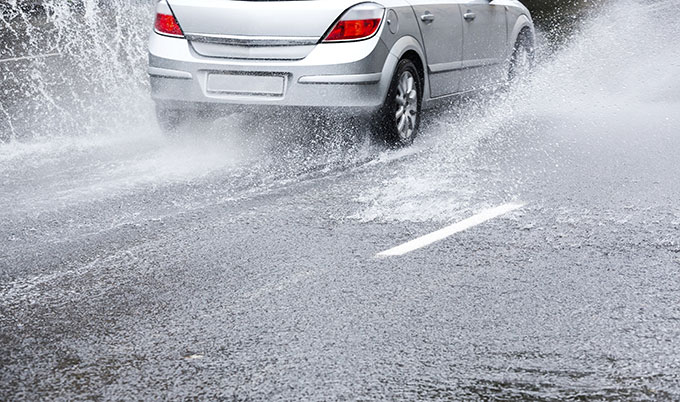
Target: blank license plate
{"type": "Point", "coordinates": [241, 84]}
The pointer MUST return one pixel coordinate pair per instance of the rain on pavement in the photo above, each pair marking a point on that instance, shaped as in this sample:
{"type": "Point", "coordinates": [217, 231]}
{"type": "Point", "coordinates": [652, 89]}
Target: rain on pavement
{"type": "Point", "coordinates": [241, 260]}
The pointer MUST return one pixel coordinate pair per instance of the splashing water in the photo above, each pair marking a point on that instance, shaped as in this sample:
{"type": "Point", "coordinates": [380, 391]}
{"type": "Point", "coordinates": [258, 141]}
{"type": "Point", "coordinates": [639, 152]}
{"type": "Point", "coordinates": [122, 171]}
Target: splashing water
{"type": "Point", "coordinates": [75, 92]}
{"type": "Point", "coordinates": [74, 69]}
{"type": "Point", "coordinates": [78, 138]}
{"type": "Point", "coordinates": [617, 76]}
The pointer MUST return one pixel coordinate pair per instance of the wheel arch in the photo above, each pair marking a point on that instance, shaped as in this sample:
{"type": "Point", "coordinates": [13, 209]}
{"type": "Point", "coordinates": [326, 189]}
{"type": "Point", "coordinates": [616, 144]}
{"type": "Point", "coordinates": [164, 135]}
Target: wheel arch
{"type": "Point", "coordinates": [415, 58]}
{"type": "Point", "coordinates": [407, 47]}
{"type": "Point", "coordinates": [523, 24]}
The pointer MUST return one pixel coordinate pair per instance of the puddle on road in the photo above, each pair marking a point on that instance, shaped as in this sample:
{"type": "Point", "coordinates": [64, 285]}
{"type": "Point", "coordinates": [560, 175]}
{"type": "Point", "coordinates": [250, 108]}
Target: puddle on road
{"type": "Point", "coordinates": [81, 130]}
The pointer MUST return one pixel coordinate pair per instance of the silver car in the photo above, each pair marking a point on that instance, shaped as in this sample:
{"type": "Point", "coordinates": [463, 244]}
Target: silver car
{"type": "Point", "coordinates": [388, 59]}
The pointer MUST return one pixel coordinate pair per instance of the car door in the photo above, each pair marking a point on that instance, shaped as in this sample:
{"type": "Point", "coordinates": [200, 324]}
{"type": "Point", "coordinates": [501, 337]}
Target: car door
{"type": "Point", "coordinates": [485, 42]}
{"type": "Point", "coordinates": [441, 26]}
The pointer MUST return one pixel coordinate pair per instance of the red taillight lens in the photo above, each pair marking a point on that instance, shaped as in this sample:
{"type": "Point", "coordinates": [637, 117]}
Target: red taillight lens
{"type": "Point", "coordinates": [168, 25]}
{"type": "Point", "coordinates": [353, 30]}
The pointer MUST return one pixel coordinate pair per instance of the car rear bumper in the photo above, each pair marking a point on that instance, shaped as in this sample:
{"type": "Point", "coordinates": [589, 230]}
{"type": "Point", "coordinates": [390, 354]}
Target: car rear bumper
{"type": "Point", "coordinates": [353, 75]}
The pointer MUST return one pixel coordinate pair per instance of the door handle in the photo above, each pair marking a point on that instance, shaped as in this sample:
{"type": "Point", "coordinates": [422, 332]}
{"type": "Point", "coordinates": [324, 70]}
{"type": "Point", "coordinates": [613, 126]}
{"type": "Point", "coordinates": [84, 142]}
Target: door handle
{"type": "Point", "coordinates": [427, 18]}
{"type": "Point", "coordinates": [469, 16]}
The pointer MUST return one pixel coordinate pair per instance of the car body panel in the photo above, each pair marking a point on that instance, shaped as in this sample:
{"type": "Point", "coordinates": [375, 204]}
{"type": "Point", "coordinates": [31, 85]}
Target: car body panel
{"type": "Point", "coordinates": [256, 29]}
{"type": "Point", "coordinates": [354, 75]}
{"type": "Point", "coordinates": [310, 18]}
{"type": "Point", "coordinates": [443, 43]}
{"type": "Point", "coordinates": [486, 39]}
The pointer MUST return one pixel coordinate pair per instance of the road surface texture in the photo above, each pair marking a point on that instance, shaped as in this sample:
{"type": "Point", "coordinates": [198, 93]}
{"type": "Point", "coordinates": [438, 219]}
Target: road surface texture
{"type": "Point", "coordinates": [240, 260]}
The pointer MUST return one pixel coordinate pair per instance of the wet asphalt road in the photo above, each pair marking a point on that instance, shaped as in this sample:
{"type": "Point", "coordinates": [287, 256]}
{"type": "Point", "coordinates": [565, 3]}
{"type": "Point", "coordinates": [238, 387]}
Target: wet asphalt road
{"type": "Point", "coordinates": [239, 262]}
{"type": "Point", "coordinates": [273, 291]}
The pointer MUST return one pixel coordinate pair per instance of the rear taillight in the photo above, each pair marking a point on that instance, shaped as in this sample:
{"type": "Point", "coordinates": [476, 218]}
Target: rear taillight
{"type": "Point", "coordinates": [166, 24]}
{"type": "Point", "coordinates": [353, 30]}
{"type": "Point", "coordinates": [359, 22]}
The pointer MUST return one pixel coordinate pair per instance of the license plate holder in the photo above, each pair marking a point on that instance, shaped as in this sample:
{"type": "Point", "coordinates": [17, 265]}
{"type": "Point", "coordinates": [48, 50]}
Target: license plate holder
{"type": "Point", "coordinates": [267, 85]}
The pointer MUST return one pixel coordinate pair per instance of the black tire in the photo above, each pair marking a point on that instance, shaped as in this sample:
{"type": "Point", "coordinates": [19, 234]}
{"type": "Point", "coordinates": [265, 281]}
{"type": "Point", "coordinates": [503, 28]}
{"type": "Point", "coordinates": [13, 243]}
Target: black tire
{"type": "Point", "coordinates": [523, 56]}
{"type": "Point", "coordinates": [170, 120]}
{"type": "Point", "coordinates": [389, 126]}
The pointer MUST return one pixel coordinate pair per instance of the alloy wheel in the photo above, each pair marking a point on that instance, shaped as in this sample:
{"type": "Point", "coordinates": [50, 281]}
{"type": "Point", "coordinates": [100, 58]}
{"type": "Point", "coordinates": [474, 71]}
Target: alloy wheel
{"type": "Point", "coordinates": [407, 106]}
{"type": "Point", "coordinates": [522, 62]}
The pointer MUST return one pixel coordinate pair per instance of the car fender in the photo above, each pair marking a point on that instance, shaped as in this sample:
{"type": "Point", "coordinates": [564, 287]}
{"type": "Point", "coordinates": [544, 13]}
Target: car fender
{"type": "Point", "coordinates": [398, 50]}
{"type": "Point", "coordinates": [521, 23]}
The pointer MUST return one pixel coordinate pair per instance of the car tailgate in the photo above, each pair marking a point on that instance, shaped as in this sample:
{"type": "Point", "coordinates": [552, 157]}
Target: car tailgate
{"type": "Point", "coordinates": [286, 29]}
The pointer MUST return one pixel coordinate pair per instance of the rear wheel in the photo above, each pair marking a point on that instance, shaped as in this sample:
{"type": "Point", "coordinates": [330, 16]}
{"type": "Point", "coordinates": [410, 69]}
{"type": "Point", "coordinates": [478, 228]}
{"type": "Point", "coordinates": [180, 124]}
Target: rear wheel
{"type": "Point", "coordinates": [399, 118]}
{"type": "Point", "coordinates": [522, 60]}
{"type": "Point", "coordinates": [170, 120]}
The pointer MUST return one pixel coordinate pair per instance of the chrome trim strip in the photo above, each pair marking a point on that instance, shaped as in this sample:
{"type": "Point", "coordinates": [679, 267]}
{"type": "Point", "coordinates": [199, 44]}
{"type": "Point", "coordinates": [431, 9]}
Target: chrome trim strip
{"type": "Point", "coordinates": [446, 67]}
{"type": "Point", "coordinates": [481, 63]}
{"type": "Point", "coordinates": [238, 40]}
{"type": "Point", "coordinates": [462, 65]}
{"type": "Point", "coordinates": [166, 73]}
{"type": "Point", "coordinates": [354, 79]}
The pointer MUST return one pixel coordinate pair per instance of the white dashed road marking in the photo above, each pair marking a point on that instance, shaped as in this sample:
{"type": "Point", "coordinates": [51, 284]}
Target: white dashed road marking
{"type": "Point", "coordinates": [451, 230]}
